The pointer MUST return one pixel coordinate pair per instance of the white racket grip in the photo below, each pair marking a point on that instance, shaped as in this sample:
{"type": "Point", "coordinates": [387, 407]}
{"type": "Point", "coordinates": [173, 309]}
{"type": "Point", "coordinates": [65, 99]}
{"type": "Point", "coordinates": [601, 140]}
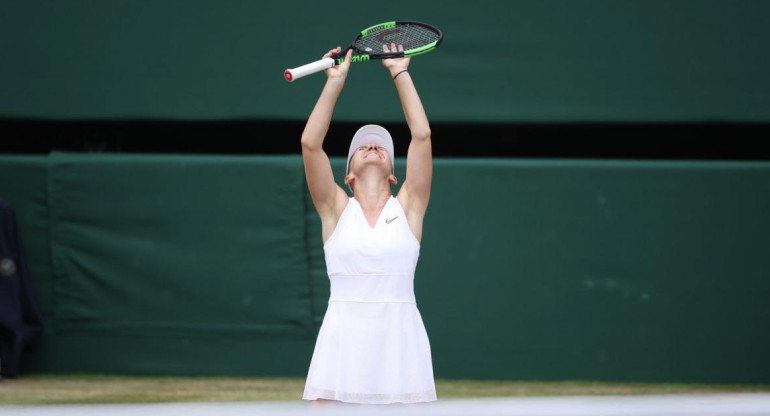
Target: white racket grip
{"type": "Point", "coordinates": [311, 68]}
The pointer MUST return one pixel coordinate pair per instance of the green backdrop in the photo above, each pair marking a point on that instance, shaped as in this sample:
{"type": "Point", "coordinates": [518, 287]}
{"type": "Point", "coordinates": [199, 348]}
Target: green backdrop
{"type": "Point", "coordinates": [501, 61]}
{"type": "Point", "coordinates": [530, 269]}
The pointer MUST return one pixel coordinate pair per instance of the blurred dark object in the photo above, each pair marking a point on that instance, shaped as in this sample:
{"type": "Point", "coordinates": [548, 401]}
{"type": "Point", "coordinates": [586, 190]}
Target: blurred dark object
{"type": "Point", "coordinates": [20, 321]}
{"type": "Point", "coordinates": [600, 140]}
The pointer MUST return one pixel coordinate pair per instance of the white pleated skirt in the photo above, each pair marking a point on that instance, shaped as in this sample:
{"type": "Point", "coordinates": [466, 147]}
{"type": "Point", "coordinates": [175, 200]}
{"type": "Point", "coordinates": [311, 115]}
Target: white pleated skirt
{"type": "Point", "coordinates": [371, 352]}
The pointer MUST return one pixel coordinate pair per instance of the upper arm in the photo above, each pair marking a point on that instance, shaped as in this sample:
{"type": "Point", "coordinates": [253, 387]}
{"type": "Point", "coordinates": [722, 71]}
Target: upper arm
{"type": "Point", "coordinates": [415, 192]}
{"type": "Point", "coordinates": [328, 198]}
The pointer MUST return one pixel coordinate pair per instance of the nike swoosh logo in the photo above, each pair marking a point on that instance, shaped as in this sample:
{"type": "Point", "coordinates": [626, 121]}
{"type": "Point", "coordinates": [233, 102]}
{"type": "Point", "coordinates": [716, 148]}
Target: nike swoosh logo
{"type": "Point", "coordinates": [391, 220]}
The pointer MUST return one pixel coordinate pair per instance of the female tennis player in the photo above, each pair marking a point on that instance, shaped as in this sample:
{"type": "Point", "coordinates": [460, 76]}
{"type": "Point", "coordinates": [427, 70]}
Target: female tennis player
{"type": "Point", "coordinates": [372, 346]}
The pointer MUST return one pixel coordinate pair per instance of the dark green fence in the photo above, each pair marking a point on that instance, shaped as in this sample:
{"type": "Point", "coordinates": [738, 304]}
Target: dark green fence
{"type": "Point", "coordinates": [501, 61]}
{"type": "Point", "coordinates": [644, 271]}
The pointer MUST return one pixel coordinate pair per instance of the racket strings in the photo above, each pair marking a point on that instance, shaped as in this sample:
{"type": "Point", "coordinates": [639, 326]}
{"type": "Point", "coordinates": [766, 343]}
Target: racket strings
{"type": "Point", "coordinates": [411, 36]}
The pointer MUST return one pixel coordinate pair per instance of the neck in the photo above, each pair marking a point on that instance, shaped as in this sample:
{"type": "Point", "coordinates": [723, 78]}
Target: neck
{"type": "Point", "coordinates": [372, 193]}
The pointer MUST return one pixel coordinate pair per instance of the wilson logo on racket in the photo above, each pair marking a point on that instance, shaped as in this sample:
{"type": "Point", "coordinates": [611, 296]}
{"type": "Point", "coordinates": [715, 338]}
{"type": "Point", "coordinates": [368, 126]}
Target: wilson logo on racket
{"type": "Point", "coordinates": [358, 58]}
{"type": "Point", "coordinates": [415, 37]}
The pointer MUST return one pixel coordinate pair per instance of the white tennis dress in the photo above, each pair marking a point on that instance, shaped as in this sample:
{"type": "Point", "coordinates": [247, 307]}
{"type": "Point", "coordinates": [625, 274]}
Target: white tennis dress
{"type": "Point", "coordinates": [372, 346]}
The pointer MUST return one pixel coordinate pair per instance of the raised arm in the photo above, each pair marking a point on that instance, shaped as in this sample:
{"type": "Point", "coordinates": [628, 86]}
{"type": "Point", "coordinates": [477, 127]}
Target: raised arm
{"type": "Point", "coordinates": [328, 198]}
{"type": "Point", "coordinates": [415, 192]}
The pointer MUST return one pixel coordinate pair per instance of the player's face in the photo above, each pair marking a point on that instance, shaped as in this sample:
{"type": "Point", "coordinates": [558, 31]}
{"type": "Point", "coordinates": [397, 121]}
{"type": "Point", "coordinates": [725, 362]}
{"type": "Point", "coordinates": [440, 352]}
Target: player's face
{"type": "Point", "coordinates": [370, 153]}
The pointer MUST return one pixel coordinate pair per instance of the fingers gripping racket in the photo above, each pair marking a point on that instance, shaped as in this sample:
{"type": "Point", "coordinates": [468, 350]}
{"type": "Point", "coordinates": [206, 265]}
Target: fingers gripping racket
{"type": "Point", "coordinates": [417, 38]}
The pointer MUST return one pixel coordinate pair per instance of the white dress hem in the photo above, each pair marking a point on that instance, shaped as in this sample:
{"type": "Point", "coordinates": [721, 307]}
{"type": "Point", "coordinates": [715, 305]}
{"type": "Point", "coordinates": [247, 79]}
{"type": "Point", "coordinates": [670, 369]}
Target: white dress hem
{"type": "Point", "coordinates": [369, 398]}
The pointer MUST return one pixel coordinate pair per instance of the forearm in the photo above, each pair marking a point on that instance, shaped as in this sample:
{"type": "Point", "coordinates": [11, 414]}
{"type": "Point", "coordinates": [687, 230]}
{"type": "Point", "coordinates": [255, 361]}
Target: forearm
{"type": "Point", "coordinates": [318, 123]}
{"type": "Point", "coordinates": [414, 112]}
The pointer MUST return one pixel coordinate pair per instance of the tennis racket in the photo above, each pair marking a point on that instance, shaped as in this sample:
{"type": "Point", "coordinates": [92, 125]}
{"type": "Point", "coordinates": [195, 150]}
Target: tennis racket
{"type": "Point", "coordinates": [416, 37]}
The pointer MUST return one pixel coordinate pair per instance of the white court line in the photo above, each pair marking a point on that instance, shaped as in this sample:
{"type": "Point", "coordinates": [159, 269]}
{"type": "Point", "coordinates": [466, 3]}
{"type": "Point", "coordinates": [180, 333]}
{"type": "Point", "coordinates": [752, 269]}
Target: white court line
{"type": "Point", "coordinates": [654, 405]}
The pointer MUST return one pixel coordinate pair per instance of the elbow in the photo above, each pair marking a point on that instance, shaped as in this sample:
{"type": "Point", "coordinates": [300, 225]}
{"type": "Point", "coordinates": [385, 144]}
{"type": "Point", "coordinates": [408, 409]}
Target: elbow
{"type": "Point", "coordinates": [421, 134]}
{"type": "Point", "coordinates": [308, 144]}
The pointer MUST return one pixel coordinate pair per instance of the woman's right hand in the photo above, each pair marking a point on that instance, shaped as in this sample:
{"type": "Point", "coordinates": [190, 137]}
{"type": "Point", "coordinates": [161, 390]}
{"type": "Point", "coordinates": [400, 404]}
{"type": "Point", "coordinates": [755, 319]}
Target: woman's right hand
{"type": "Point", "coordinates": [338, 71]}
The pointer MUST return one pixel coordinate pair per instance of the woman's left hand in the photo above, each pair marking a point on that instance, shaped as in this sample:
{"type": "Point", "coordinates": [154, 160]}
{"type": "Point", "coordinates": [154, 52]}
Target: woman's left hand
{"type": "Point", "coordinates": [395, 65]}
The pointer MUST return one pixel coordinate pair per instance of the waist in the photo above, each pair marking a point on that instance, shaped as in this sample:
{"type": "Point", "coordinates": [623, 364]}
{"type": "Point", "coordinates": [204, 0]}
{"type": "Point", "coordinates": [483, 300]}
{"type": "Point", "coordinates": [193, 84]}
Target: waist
{"type": "Point", "coordinates": [371, 288]}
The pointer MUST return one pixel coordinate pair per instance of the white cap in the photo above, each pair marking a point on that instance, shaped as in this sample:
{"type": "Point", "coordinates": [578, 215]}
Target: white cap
{"type": "Point", "coordinates": [371, 134]}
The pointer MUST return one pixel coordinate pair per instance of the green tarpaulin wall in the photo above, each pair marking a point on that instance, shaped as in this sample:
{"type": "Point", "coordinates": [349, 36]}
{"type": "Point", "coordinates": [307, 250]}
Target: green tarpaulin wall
{"type": "Point", "coordinates": [538, 269]}
{"type": "Point", "coordinates": [501, 61]}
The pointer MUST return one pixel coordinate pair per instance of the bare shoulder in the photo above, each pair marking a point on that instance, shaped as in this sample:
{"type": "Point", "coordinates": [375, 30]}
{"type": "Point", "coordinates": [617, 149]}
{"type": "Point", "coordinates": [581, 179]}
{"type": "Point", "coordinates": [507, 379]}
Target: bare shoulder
{"type": "Point", "coordinates": [330, 218]}
{"type": "Point", "coordinates": [415, 212]}
{"type": "Point", "coordinates": [342, 200]}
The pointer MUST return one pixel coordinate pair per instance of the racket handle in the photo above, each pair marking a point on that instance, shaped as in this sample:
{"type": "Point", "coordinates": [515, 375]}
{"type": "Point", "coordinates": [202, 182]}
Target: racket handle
{"type": "Point", "coordinates": [311, 68]}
